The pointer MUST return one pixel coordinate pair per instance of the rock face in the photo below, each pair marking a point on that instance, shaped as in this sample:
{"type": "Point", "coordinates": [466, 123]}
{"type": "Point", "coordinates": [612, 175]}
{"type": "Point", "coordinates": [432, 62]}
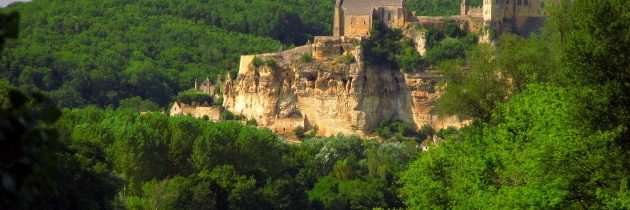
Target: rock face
{"type": "Point", "coordinates": [328, 84]}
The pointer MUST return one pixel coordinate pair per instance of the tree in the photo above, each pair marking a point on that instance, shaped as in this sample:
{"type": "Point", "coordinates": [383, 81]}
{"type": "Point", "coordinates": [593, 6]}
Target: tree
{"type": "Point", "coordinates": [300, 132]}
{"type": "Point", "coordinates": [27, 146]}
{"type": "Point", "coordinates": [138, 104]}
{"type": "Point", "coordinates": [8, 27]}
{"type": "Point", "coordinates": [472, 91]}
{"type": "Point", "coordinates": [540, 155]}
{"type": "Point", "coordinates": [595, 51]}
{"type": "Point", "coordinates": [382, 46]}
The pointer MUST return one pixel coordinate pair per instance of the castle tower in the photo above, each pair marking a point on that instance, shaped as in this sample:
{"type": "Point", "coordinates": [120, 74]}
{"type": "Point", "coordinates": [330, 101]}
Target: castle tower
{"type": "Point", "coordinates": [491, 10]}
{"type": "Point", "coordinates": [196, 85]}
{"type": "Point", "coordinates": [338, 19]}
{"type": "Point", "coordinates": [464, 8]}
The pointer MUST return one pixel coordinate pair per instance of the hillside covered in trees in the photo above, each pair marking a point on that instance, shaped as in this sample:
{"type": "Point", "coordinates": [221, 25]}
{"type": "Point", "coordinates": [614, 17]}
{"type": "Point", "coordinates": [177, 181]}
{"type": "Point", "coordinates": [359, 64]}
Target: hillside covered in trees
{"type": "Point", "coordinates": [83, 52]}
{"type": "Point", "coordinates": [550, 118]}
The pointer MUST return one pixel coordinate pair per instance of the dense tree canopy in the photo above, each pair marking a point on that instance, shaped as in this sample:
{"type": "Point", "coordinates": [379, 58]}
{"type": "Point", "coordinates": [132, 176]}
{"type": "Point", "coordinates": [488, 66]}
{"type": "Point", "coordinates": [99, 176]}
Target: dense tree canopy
{"type": "Point", "coordinates": [438, 7]}
{"type": "Point", "coordinates": [549, 116]}
{"type": "Point", "coordinates": [84, 52]}
{"type": "Point", "coordinates": [549, 131]}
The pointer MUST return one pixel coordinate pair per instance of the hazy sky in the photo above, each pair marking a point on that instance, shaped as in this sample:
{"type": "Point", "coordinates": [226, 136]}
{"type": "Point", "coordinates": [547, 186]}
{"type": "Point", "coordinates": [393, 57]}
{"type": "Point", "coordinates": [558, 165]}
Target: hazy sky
{"type": "Point", "coordinates": [4, 3]}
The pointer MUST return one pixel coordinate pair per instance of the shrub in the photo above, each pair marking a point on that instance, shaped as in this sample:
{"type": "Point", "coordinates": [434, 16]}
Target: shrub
{"type": "Point", "coordinates": [252, 122]}
{"type": "Point", "coordinates": [345, 59]}
{"type": "Point", "coordinates": [409, 59]}
{"type": "Point", "coordinates": [306, 58]}
{"type": "Point", "coordinates": [426, 132]}
{"type": "Point", "coordinates": [300, 132]}
{"type": "Point", "coordinates": [450, 48]}
{"type": "Point", "coordinates": [257, 62]}
{"type": "Point", "coordinates": [388, 129]}
{"type": "Point", "coordinates": [269, 62]}
{"type": "Point", "coordinates": [227, 115]}
{"type": "Point", "coordinates": [189, 97]}
{"type": "Point", "coordinates": [382, 46]}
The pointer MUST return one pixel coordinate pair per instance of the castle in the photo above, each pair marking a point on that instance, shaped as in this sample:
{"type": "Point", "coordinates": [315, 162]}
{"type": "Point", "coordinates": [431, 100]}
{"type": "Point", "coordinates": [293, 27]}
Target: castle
{"type": "Point", "coordinates": [354, 18]}
{"type": "Point", "coordinates": [354, 97]}
{"type": "Point", "coordinates": [522, 17]}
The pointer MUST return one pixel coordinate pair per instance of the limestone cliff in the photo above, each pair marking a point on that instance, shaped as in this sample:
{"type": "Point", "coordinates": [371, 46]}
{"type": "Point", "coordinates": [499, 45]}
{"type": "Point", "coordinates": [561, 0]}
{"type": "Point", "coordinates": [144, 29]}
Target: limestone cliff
{"type": "Point", "coordinates": [327, 84]}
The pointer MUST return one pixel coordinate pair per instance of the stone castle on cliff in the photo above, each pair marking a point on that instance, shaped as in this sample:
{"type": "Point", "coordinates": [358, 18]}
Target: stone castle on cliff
{"type": "Point", "coordinates": [338, 92]}
{"type": "Point", "coordinates": [354, 18]}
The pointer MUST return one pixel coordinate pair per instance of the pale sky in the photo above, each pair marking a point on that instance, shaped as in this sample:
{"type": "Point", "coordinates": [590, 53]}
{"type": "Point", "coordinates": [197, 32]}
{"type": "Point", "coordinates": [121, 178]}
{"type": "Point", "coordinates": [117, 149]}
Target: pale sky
{"type": "Point", "coordinates": [4, 3]}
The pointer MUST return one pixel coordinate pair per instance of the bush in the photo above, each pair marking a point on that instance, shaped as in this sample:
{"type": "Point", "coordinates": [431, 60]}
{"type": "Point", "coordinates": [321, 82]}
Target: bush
{"type": "Point", "coordinates": [345, 59]}
{"type": "Point", "coordinates": [446, 132]}
{"type": "Point", "coordinates": [257, 62]}
{"type": "Point", "coordinates": [306, 58]}
{"type": "Point", "coordinates": [387, 47]}
{"type": "Point", "coordinates": [388, 129]}
{"type": "Point", "coordinates": [449, 49]}
{"type": "Point", "coordinates": [300, 132]}
{"type": "Point", "coordinates": [269, 62]}
{"type": "Point", "coordinates": [409, 59]}
{"type": "Point", "coordinates": [433, 37]}
{"type": "Point", "coordinates": [382, 46]}
{"type": "Point", "coordinates": [426, 132]}
{"type": "Point", "coordinates": [138, 104]}
{"type": "Point", "coordinates": [227, 115]}
{"type": "Point", "coordinates": [189, 97]}
{"type": "Point", "coordinates": [313, 132]}
{"type": "Point", "coordinates": [252, 122]}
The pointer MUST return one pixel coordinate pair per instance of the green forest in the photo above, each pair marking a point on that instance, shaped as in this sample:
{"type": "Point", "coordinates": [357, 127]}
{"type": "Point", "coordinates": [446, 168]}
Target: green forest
{"type": "Point", "coordinates": [550, 115]}
{"type": "Point", "coordinates": [83, 52]}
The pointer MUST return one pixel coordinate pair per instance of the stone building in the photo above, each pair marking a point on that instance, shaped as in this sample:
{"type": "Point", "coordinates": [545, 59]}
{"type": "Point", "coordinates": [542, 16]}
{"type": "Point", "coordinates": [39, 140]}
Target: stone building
{"type": "Point", "coordinates": [182, 109]}
{"type": "Point", "coordinates": [355, 17]}
{"type": "Point", "coordinates": [522, 17]}
{"type": "Point", "coordinates": [206, 86]}
{"type": "Point", "coordinates": [287, 125]}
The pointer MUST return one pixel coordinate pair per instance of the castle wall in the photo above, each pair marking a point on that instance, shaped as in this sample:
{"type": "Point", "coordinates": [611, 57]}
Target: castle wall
{"type": "Point", "coordinates": [494, 10]}
{"type": "Point", "coordinates": [392, 17]}
{"type": "Point", "coordinates": [286, 124]}
{"type": "Point", "coordinates": [181, 109]}
{"type": "Point", "coordinates": [357, 25]}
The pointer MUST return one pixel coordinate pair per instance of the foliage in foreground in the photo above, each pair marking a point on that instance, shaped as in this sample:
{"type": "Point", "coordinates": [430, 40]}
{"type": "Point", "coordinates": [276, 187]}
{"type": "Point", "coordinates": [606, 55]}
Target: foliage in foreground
{"type": "Point", "coordinates": [155, 161]}
{"type": "Point", "coordinates": [540, 155]}
{"type": "Point", "coordinates": [551, 122]}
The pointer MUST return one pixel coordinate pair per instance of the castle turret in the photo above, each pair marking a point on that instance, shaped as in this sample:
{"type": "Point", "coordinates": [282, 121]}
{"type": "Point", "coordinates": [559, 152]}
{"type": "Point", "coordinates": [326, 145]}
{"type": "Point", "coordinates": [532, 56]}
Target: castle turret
{"type": "Point", "coordinates": [338, 19]}
{"type": "Point", "coordinates": [492, 10]}
{"type": "Point", "coordinates": [196, 85]}
{"type": "Point", "coordinates": [464, 8]}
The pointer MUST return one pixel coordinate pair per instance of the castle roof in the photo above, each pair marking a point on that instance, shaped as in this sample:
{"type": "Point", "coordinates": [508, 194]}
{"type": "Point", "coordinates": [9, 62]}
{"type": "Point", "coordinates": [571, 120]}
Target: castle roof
{"type": "Point", "coordinates": [366, 7]}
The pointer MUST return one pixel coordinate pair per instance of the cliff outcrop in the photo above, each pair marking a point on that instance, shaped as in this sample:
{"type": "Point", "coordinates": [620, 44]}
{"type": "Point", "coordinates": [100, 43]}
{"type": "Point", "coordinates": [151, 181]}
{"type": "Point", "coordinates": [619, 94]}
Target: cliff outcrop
{"type": "Point", "coordinates": [328, 84]}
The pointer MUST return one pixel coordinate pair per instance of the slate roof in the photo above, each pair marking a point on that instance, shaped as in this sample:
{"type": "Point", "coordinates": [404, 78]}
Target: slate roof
{"type": "Point", "coordinates": [366, 7]}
